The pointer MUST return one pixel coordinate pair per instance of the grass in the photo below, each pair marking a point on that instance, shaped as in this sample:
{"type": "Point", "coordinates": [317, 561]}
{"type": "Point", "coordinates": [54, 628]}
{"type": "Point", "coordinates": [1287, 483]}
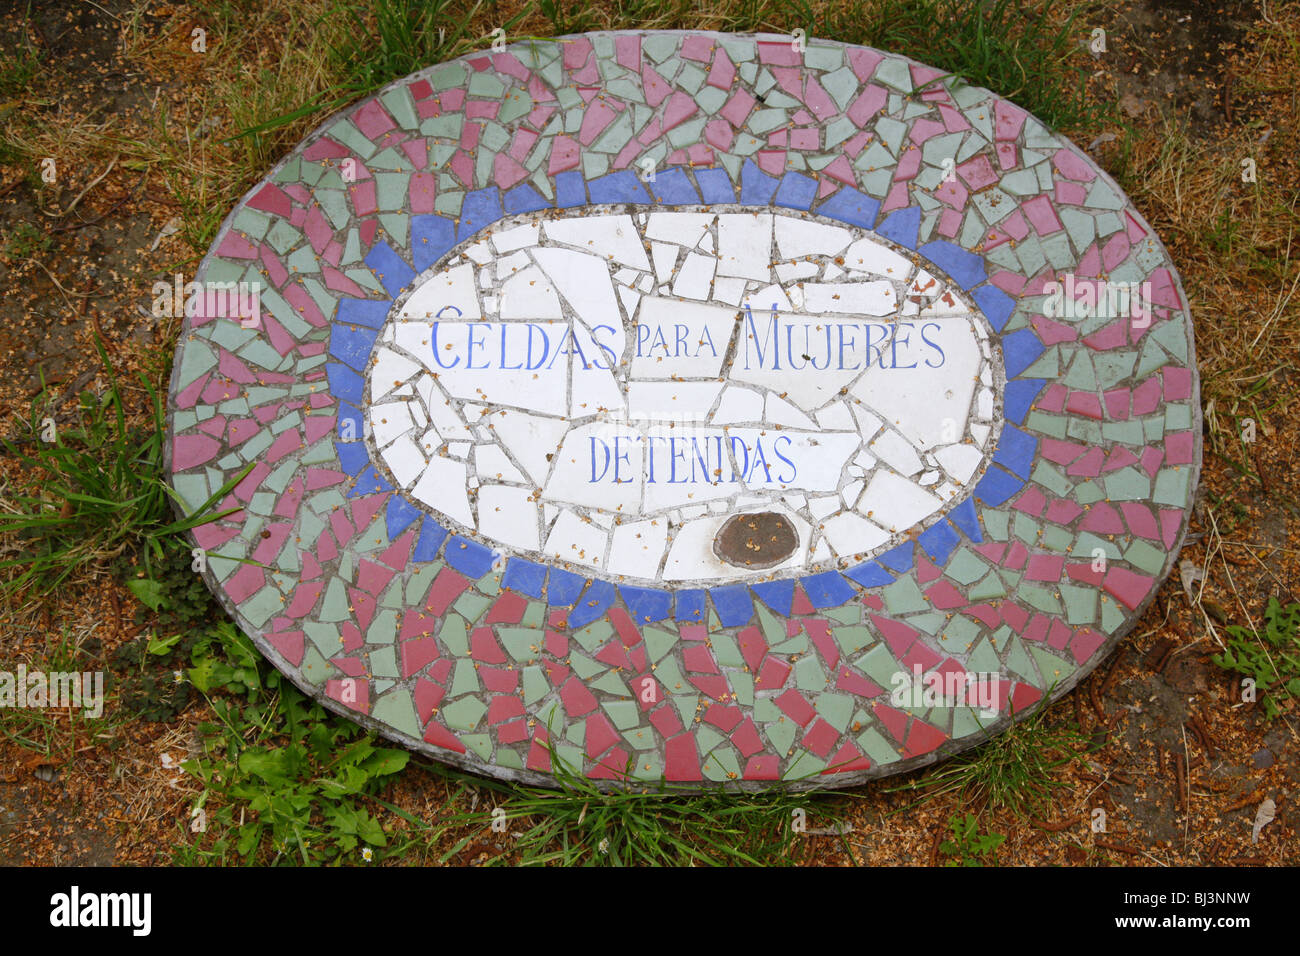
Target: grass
{"type": "Point", "coordinates": [578, 824]}
{"type": "Point", "coordinates": [49, 731]}
{"type": "Point", "coordinates": [1015, 771]}
{"type": "Point", "coordinates": [95, 490]}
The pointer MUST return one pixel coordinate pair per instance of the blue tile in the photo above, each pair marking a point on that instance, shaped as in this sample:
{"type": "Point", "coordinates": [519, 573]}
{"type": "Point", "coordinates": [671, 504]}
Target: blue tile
{"type": "Point", "coordinates": [1020, 349]}
{"type": "Point", "coordinates": [624, 186]}
{"type": "Point", "coordinates": [1016, 450]}
{"type": "Point", "coordinates": [429, 541]}
{"type": "Point", "coordinates": [481, 208]}
{"type": "Point", "coordinates": [898, 559]}
{"type": "Point", "coordinates": [526, 577]}
{"type": "Point", "coordinates": [902, 226]}
{"type": "Point", "coordinates": [996, 487]}
{"type": "Point", "coordinates": [965, 519]}
{"type": "Point", "coordinates": [370, 482]}
{"type": "Point", "coordinates": [647, 605]}
{"type": "Point", "coordinates": [345, 383]}
{"type": "Point", "coordinates": [399, 515]}
{"type": "Point", "coordinates": [778, 595]}
{"type": "Point", "coordinates": [570, 189]}
{"type": "Point", "coordinates": [828, 589]}
{"type": "Point", "coordinates": [349, 413]}
{"type": "Point", "coordinates": [870, 575]}
{"type": "Point", "coordinates": [432, 237]}
{"type": "Point", "coordinates": [715, 185]}
{"type": "Point", "coordinates": [690, 606]}
{"type": "Point", "coordinates": [389, 268]}
{"type": "Point", "coordinates": [938, 541]}
{"type": "Point", "coordinates": [733, 604]}
{"type": "Point", "coordinates": [796, 191]}
{"type": "Point", "coordinates": [1018, 397]}
{"type": "Point", "coordinates": [672, 187]}
{"type": "Point", "coordinates": [594, 602]}
{"type": "Point", "coordinates": [352, 345]}
{"type": "Point", "coordinates": [469, 557]}
{"type": "Point", "coordinates": [353, 456]}
{"type": "Point", "coordinates": [995, 304]}
{"type": "Point", "coordinates": [849, 205]}
{"type": "Point", "coordinates": [371, 312]}
{"type": "Point", "coordinates": [756, 186]}
{"type": "Point", "coordinates": [965, 268]}
{"type": "Point", "coordinates": [563, 587]}
{"type": "Point", "coordinates": [524, 198]}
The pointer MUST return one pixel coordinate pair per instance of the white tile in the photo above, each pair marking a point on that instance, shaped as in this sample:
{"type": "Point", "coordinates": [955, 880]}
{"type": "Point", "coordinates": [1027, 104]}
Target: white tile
{"type": "Point", "coordinates": [727, 290]}
{"type": "Point", "coordinates": [443, 488]}
{"type": "Point", "coordinates": [959, 461]}
{"type": "Point", "coordinates": [895, 503]}
{"type": "Point", "coordinates": [665, 255]}
{"type": "Point", "coordinates": [391, 371]}
{"type": "Point", "coordinates": [530, 439]}
{"type": "Point", "coordinates": [506, 514]}
{"type": "Point", "coordinates": [682, 339]}
{"type": "Point", "coordinates": [637, 548]}
{"type": "Point", "coordinates": [836, 417]}
{"type": "Point", "coordinates": [683, 228]}
{"type": "Point", "coordinates": [805, 461]}
{"type": "Point", "coordinates": [781, 412]}
{"type": "Point", "coordinates": [852, 534]}
{"type": "Point", "coordinates": [739, 405]}
{"type": "Point", "coordinates": [854, 298]}
{"type": "Point", "coordinates": [789, 272]}
{"type": "Point", "coordinates": [529, 294]}
{"type": "Point", "coordinates": [796, 238]}
{"type": "Point", "coordinates": [600, 467]}
{"type": "Point", "coordinates": [573, 540]}
{"type": "Point", "coordinates": [745, 245]}
{"type": "Point", "coordinates": [895, 451]}
{"type": "Point", "coordinates": [491, 464]}
{"type": "Point", "coordinates": [613, 237]}
{"type": "Point", "coordinates": [517, 364]}
{"type": "Point", "coordinates": [928, 406]}
{"type": "Point", "coordinates": [508, 240]}
{"type": "Point", "coordinates": [405, 460]}
{"type": "Point", "coordinates": [450, 293]}
{"type": "Point", "coordinates": [388, 421]}
{"type": "Point", "coordinates": [671, 401]}
{"type": "Point", "coordinates": [869, 256]}
{"type": "Point", "coordinates": [695, 277]}
{"type": "Point", "coordinates": [584, 281]}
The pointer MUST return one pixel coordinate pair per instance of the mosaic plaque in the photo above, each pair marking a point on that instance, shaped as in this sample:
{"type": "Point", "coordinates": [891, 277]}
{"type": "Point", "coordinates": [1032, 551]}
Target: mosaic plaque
{"type": "Point", "coordinates": [686, 408]}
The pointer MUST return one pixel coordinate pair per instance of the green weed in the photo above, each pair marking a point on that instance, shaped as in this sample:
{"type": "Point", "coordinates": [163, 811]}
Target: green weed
{"type": "Point", "coordinates": [969, 847]}
{"type": "Point", "coordinates": [283, 781]}
{"type": "Point", "coordinates": [1270, 659]}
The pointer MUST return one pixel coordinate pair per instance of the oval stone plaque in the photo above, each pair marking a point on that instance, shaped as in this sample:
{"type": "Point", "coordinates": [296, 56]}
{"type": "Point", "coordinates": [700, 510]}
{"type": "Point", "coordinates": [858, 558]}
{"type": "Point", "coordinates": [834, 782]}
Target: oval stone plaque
{"type": "Point", "coordinates": [687, 407]}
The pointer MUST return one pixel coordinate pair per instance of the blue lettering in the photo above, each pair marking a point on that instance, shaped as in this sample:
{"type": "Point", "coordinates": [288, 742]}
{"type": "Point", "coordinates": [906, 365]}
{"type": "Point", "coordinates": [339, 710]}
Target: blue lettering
{"type": "Point", "coordinates": [470, 343]}
{"type": "Point", "coordinates": [933, 345]}
{"type": "Point", "coordinates": [893, 346]}
{"type": "Point", "coordinates": [613, 359]}
{"type": "Point", "coordinates": [594, 476]}
{"type": "Point", "coordinates": [776, 449]}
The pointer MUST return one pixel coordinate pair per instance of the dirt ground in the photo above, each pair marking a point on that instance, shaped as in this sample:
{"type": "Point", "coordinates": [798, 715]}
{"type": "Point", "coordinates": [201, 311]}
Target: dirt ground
{"type": "Point", "coordinates": [1182, 764]}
